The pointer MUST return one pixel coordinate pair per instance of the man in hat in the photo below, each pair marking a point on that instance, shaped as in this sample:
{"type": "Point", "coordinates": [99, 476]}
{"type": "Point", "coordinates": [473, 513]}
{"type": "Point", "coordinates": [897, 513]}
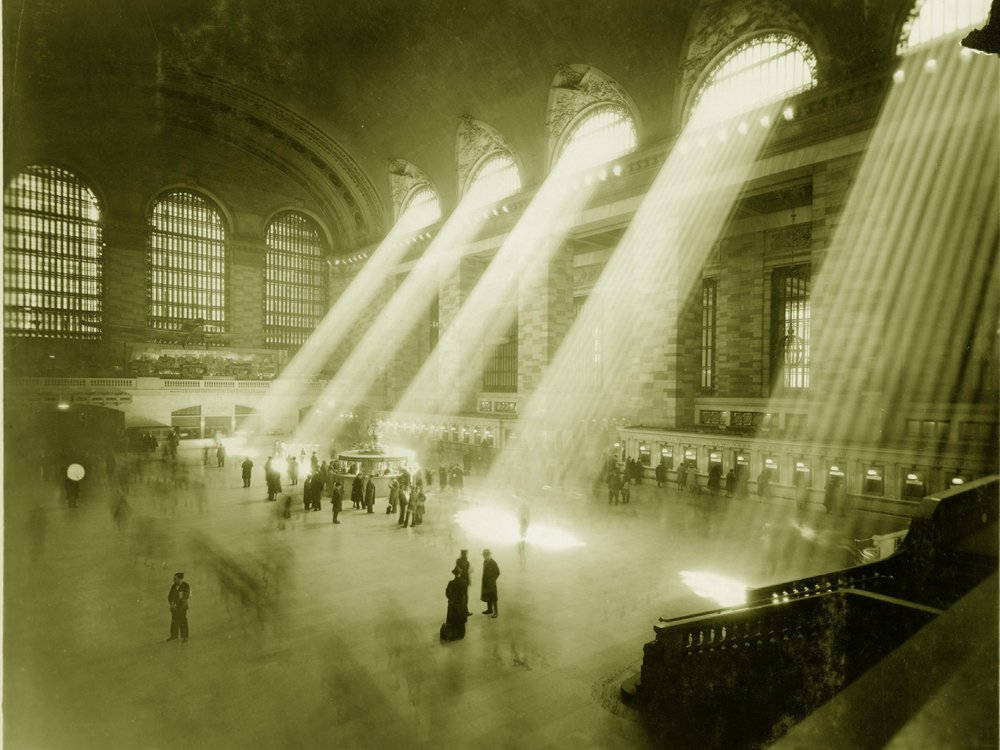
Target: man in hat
{"type": "Point", "coordinates": [488, 590]}
{"type": "Point", "coordinates": [178, 601]}
{"type": "Point", "coordinates": [463, 564]}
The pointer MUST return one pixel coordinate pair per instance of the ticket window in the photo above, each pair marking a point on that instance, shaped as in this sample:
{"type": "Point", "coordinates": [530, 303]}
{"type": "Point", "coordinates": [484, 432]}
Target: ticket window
{"type": "Point", "coordinates": [715, 458]}
{"type": "Point", "coordinates": [956, 480]}
{"type": "Point", "coordinates": [914, 485]}
{"type": "Point", "coordinates": [691, 458]}
{"type": "Point", "coordinates": [644, 456]}
{"type": "Point", "coordinates": [667, 457]}
{"type": "Point", "coordinates": [742, 462]}
{"type": "Point", "coordinates": [487, 438]}
{"type": "Point", "coordinates": [874, 482]}
{"type": "Point", "coordinates": [477, 435]}
{"type": "Point", "coordinates": [771, 468]}
{"type": "Point", "coordinates": [835, 487]}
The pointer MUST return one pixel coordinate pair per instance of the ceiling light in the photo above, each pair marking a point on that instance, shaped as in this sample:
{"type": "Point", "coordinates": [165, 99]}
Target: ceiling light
{"type": "Point", "coordinates": [765, 121]}
{"type": "Point", "coordinates": [742, 128]}
{"type": "Point", "coordinates": [899, 76]}
{"type": "Point", "coordinates": [788, 113]}
{"type": "Point", "coordinates": [931, 65]}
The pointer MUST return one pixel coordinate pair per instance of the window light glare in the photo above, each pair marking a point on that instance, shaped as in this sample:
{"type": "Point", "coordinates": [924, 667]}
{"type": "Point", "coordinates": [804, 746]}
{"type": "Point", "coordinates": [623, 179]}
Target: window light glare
{"type": "Point", "coordinates": [899, 76]}
{"type": "Point", "coordinates": [930, 65]}
{"type": "Point", "coordinates": [617, 170]}
{"type": "Point", "coordinates": [765, 121]}
{"type": "Point", "coordinates": [788, 113]}
{"type": "Point", "coordinates": [957, 480]}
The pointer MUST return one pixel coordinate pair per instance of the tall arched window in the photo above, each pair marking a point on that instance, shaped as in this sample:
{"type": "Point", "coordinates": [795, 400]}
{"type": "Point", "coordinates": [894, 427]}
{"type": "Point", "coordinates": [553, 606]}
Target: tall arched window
{"type": "Point", "coordinates": [932, 19]}
{"type": "Point", "coordinates": [52, 256]}
{"type": "Point", "coordinates": [422, 208]}
{"type": "Point", "coordinates": [602, 134]}
{"type": "Point", "coordinates": [761, 70]}
{"type": "Point", "coordinates": [496, 177]}
{"type": "Point", "coordinates": [187, 263]}
{"type": "Point", "coordinates": [294, 280]}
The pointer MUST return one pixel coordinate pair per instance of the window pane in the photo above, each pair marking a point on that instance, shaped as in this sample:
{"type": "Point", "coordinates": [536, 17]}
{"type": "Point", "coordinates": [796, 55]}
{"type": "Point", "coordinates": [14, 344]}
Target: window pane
{"type": "Point", "coordinates": [294, 280]}
{"type": "Point", "coordinates": [763, 70]}
{"type": "Point", "coordinates": [790, 324]}
{"type": "Point", "coordinates": [52, 256]}
{"type": "Point", "coordinates": [932, 19]}
{"type": "Point", "coordinates": [605, 134]}
{"type": "Point", "coordinates": [500, 373]}
{"type": "Point", "coordinates": [422, 209]}
{"type": "Point", "coordinates": [494, 180]}
{"type": "Point", "coordinates": [186, 261]}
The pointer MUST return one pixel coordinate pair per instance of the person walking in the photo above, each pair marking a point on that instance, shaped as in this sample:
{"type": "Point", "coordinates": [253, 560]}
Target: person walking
{"type": "Point", "coordinates": [457, 594]}
{"type": "Point", "coordinates": [488, 588]}
{"type": "Point", "coordinates": [177, 598]}
{"type": "Point", "coordinates": [247, 467]}
{"type": "Point", "coordinates": [626, 493]}
{"type": "Point", "coordinates": [442, 478]}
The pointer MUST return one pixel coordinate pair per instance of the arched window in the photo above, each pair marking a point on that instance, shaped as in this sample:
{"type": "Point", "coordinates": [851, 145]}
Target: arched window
{"type": "Point", "coordinates": [421, 209]}
{"type": "Point", "coordinates": [52, 256]}
{"type": "Point", "coordinates": [294, 280]}
{"type": "Point", "coordinates": [604, 133]}
{"type": "Point", "coordinates": [187, 263]}
{"type": "Point", "coordinates": [932, 19]}
{"type": "Point", "coordinates": [762, 70]}
{"type": "Point", "coordinates": [495, 178]}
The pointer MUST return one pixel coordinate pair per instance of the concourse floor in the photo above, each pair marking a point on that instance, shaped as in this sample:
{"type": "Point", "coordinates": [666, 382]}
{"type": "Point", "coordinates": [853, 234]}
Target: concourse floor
{"type": "Point", "coordinates": [307, 634]}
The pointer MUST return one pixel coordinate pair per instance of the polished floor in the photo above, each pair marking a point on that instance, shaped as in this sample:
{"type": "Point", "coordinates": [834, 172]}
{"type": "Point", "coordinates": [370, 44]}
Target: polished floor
{"type": "Point", "coordinates": [308, 634]}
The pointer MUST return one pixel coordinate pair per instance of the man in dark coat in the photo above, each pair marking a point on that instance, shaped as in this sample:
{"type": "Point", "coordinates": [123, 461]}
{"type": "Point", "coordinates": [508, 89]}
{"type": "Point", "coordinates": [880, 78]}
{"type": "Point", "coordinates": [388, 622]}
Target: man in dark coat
{"type": "Point", "coordinates": [273, 479]}
{"type": "Point", "coordinates": [714, 478]}
{"type": "Point", "coordinates": [247, 467]}
{"type": "Point", "coordinates": [314, 462]}
{"type": "Point", "coordinates": [337, 495]}
{"type": "Point", "coordinates": [731, 483]}
{"type": "Point", "coordinates": [178, 601]}
{"type": "Point", "coordinates": [443, 478]}
{"type": "Point", "coordinates": [488, 589]}
{"type": "Point", "coordinates": [403, 506]}
{"type": "Point", "coordinates": [661, 474]}
{"type": "Point", "coordinates": [457, 478]}
{"type": "Point", "coordinates": [457, 593]}
{"type": "Point", "coordinates": [393, 496]}
{"type": "Point", "coordinates": [370, 495]}
{"type": "Point", "coordinates": [358, 490]}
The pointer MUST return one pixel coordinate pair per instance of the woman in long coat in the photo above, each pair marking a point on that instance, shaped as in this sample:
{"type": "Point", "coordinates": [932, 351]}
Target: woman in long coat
{"type": "Point", "coordinates": [370, 495]}
{"type": "Point", "coordinates": [457, 593]}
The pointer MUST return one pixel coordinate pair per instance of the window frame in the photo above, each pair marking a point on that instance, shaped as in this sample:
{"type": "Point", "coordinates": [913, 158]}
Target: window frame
{"type": "Point", "coordinates": [294, 335]}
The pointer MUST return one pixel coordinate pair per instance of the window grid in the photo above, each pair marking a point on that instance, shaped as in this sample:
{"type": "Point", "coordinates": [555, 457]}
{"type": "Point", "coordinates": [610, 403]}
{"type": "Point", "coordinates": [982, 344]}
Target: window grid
{"type": "Point", "coordinates": [186, 264]}
{"type": "Point", "coordinates": [422, 209]}
{"type": "Point", "coordinates": [790, 323]}
{"type": "Point", "coordinates": [933, 19]}
{"type": "Point", "coordinates": [762, 70]}
{"type": "Point", "coordinates": [605, 134]}
{"type": "Point", "coordinates": [294, 282]}
{"type": "Point", "coordinates": [709, 289]}
{"type": "Point", "coordinates": [494, 180]}
{"type": "Point", "coordinates": [52, 256]}
{"type": "Point", "coordinates": [500, 372]}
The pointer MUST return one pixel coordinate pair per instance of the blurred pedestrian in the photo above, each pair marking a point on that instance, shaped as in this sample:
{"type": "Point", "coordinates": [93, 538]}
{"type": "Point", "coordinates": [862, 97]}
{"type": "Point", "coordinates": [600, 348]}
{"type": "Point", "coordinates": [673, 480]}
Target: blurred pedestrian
{"type": "Point", "coordinates": [177, 598]}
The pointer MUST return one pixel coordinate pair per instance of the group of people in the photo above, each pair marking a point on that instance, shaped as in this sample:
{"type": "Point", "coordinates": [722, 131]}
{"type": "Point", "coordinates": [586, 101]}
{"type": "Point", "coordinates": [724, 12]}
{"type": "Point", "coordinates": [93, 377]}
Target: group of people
{"type": "Point", "coordinates": [457, 594]}
{"type": "Point", "coordinates": [410, 502]}
{"type": "Point", "coordinates": [619, 489]}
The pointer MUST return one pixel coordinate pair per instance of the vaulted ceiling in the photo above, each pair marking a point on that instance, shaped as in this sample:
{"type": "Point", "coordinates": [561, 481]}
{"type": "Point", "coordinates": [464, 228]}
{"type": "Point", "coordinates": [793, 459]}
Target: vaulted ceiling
{"type": "Point", "coordinates": [386, 79]}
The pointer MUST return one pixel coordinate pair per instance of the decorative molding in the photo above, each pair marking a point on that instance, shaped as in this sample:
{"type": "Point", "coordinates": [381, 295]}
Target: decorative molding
{"type": "Point", "coordinates": [404, 178]}
{"type": "Point", "coordinates": [474, 142]}
{"type": "Point", "coordinates": [795, 237]}
{"type": "Point", "coordinates": [576, 88]}
{"type": "Point", "coordinates": [720, 25]}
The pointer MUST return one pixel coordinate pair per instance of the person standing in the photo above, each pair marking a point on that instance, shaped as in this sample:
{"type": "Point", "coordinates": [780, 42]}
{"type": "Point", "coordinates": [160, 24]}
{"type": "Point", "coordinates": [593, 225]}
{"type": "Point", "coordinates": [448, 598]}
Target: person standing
{"type": "Point", "coordinates": [247, 467]}
{"type": "Point", "coordinates": [457, 593]}
{"type": "Point", "coordinates": [403, 507]}
{"type": "Point", "coordinates": [418, 505]}
{"type": "Point", "coordinates": [357, 490]}
{"type": "Point", "coordinates": [337, 498]}
{"type": "Point", "coordinates": [393, 496]}
{"type": "Point", "coordinates": [220, 455]}
{"type": "Point", "coordinates": [488, 589]}
{"type": "Point", "coordinates": [442, 478]}
{"type": "Point", "coordinates": [626, 493]}
{"type": "Point", "coordinates": [462, 564]}
{"type": "Point", "coordinates": [731, 483]}
{"type": "Point", "coordinates": [764, 485]}
{"type": "Point", "coordinates": [661, 474]}
{"type": "Point", "coordinates": [178, 597]}
{"type": "Point", "coordinates": [293, 470]}
{"type": "Point", "coordinates": [370, 495]}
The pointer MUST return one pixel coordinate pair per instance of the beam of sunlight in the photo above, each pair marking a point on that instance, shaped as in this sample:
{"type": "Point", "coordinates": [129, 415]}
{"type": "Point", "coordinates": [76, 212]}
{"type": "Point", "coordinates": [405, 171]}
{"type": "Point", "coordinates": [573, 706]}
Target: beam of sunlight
{"type": "Point", "coordinates": [391, 326]}
{"type": "Point", "coordinates": [499, 527]}
{"type": "Point", "coordinates": [637, 299]}
{"type": "Point", "coordinates": [725, 591]}
{"type": "Point", "coordinates": [333, 330]}
{"type": "Point", "coordinates": [483, 316]}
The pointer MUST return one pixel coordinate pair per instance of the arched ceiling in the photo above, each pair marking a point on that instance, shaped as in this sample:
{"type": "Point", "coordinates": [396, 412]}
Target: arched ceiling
{"type": "Point", "coordinates": [388, 78]}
